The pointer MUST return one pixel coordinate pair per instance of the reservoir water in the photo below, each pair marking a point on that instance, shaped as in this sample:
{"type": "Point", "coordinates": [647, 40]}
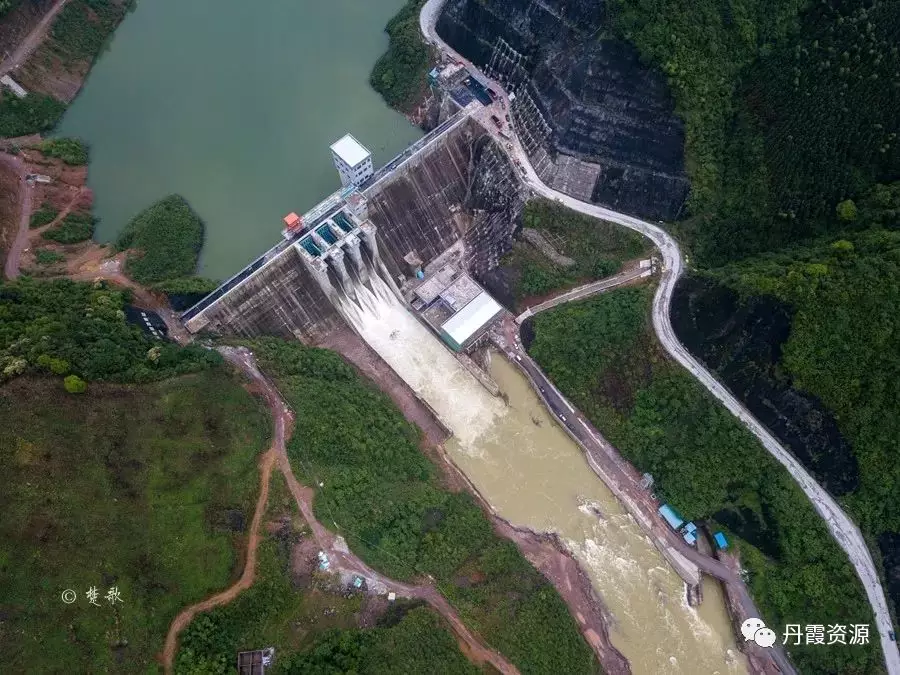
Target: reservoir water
{"type": "Point", "coordinates": [233, 105]}
{"type": "Point", "coordinates": [535, 475]}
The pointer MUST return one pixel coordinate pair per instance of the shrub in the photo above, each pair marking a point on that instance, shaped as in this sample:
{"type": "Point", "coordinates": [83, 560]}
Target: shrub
{"type": "Point", "coordinates": [47, 257]}
{"type": "Point", "coordinates": [30, 115]}
{"type": "Point", "coordinates": [847, 211]}
{"type": "Point", "coordinates": [75, 227]}
{"type": "Point", "coordinates": [72, 151]}
{"type": "Point", "coordinates": [43, 216]}
{"type": "Point", "coordinates": [74, 384]}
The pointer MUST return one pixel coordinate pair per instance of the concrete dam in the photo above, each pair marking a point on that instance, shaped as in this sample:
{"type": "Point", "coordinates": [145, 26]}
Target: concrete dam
{"type": "Point", "coordinates": [453, 191]}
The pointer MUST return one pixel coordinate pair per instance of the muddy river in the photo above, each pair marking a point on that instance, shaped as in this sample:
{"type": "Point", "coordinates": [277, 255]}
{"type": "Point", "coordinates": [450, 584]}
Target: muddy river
{"type": "Point", "coordinates": [233, 105]}
{"type": "Point", "coordinates": [535, 475]}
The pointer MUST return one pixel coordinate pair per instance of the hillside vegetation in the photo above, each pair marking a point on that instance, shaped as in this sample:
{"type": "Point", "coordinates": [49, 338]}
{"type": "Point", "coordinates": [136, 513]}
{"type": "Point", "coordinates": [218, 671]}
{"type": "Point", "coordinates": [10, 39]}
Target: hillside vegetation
{"type": "Point", "coordinates": [143, 488]}
{"type": "Point", "coordinates": [311, 620]}
{"type": "Point", "coordinates": [603, 355]}
{"type": "Point", "coordinates": [399, 74]}
{"type": "Point", "coordinates": [76, 37]}
{"type": "Point", "coordinates": [787, 115]}
{"type": "Point", "coordinates": [72, 151]}
{"type": "Point", "coordinates": [597, 248]}
{"type": "Point", "coordinates": [792, 111]}
{"type": "Point", "coordinates": [64, 327]}
{"type": "Point", "coordinates": [383, 496]}
{"type": "Point", "coordinates": [841, 350]}
{"type": "Point", "coordinates": [33, 114]}
{"type": "Point", "coordinates": [313, 629]}
{"type": "Point", "coordinates": [166, 237]}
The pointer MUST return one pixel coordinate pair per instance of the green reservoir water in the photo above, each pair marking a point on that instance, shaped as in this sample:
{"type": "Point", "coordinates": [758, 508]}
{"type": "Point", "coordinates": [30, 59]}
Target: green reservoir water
{"type": "Point", "coordinates": [233, 105]}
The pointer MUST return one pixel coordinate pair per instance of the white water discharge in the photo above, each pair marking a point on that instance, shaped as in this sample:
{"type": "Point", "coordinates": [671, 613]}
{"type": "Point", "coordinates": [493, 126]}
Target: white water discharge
{"type": "Point", "coordinates": [534, 475]}
{"type": "Point", "coordinates": [422, 361]}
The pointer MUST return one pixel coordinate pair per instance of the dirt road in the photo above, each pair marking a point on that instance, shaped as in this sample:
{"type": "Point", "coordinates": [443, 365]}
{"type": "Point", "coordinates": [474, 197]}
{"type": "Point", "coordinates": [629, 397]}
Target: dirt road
{"type": "Point", "coordinates": [341, 559]}
{"type": "Point", "coordinates": [14, 255]}
{"type": "Point", "coordinates": [247, 577]}
{"type": "Point", "coordinates": [32, 41]}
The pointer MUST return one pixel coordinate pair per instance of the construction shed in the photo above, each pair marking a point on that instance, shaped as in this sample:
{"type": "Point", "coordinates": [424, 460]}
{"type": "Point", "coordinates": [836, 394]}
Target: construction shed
{"type": "Point", "coordinates": [671, 516]}
{"type": "Point", "coordinates": [721, 541]}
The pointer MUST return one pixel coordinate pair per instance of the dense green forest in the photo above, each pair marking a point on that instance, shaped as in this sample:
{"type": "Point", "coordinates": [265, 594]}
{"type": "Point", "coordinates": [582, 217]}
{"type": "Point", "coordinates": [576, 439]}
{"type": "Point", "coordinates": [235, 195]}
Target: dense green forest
{"type": "Point", "coordinates": [139, 487]}
{"type": "Point", "coordinates": [598, 250]}
{"type": "Point", "coordinates": [603, 355]}
{"type": "Point", "coordinates": [841, 349]}
{"type": "Point", "coordinates": [66, 327]}
{"type": "Point", "coordinates": [399, 74]}
{"type": "Point", "coordinates": [786, 116]}
{"type": "Point", "coordinates": [382, 494]}
{"type": "Point", "coordinates": [792, 111]}
{"type": "Point", "coordinates": [167, 238]}
{"type": "Point", "coordinates": [33, 114]}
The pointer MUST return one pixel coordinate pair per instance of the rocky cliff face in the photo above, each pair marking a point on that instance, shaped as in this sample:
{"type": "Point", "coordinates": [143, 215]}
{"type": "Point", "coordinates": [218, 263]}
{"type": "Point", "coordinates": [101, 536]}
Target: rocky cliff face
{"type": "Point", "coordinates": [742, 342]}
{"type": "Point", "coordinates": [584, 94]}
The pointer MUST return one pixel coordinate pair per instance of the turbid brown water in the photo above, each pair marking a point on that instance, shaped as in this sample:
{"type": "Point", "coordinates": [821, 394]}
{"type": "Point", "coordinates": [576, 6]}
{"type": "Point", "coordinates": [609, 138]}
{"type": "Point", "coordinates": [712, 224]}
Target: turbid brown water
{"type": "Point", "coordinates": [535, 475]}
{"type": "Point", "coordinates": [233, 104]}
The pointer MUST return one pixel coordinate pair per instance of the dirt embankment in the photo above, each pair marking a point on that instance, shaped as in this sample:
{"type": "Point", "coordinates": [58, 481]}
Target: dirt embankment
{"type": "Point", "coordinates": [65, 192]}
{"type": "Point", "coordinates": [543, 550]}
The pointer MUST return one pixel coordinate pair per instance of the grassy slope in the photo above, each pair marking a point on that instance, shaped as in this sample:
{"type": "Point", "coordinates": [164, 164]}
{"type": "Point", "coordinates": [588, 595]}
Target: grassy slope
{"type": "Point", "coordinates": [601, 353]}
{"type": "Point", "coordinates": [598, 249]}
{"type": "Point", "coordinates": [312, 626]}
{"type": "Point", "coordinates": [384, 497]}
{"type": "Point", "coordinates": [126, 486]}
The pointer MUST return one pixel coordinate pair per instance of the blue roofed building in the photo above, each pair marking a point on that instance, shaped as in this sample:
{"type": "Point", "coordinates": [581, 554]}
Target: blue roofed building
{"type": "Point", "coordinates": [690, 533]}
{"type": "Point", "coordinates": [721, 541]}
{"type": "Point", "coordinates": [671, 516]}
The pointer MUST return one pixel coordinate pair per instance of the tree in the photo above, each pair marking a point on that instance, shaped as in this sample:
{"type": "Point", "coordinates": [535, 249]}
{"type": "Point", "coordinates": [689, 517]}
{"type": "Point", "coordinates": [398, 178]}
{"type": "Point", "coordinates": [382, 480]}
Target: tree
{"type": "Point", "coordinates": [74, 384]}
{"type": "Point", "coordinates": [847, 211]}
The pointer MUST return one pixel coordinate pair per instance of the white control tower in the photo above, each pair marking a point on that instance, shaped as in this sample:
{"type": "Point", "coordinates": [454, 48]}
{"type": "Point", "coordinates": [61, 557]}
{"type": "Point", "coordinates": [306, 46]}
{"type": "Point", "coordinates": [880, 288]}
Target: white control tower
{"type": "Point", "coordinates": [352, 160]}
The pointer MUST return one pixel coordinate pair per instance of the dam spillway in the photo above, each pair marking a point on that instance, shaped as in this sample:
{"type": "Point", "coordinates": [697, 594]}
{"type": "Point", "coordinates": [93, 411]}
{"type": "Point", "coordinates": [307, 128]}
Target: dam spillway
{"type": "Point", "coordinates": [458, 189]}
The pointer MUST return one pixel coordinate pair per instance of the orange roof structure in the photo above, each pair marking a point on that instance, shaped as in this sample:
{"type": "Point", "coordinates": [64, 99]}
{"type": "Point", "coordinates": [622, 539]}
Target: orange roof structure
{"type": "Point", "coordinates": [292, 220]}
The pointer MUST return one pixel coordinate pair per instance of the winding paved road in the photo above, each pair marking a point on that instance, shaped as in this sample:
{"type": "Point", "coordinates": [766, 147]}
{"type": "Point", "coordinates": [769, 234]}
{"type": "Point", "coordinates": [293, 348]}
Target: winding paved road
{"type": "Point", "coordinates": [842, 528]}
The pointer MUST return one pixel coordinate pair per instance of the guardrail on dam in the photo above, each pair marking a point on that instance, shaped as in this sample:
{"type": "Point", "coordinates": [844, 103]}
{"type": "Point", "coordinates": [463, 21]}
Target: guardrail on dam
{"type": "Point", "coordinates": [453, 184]}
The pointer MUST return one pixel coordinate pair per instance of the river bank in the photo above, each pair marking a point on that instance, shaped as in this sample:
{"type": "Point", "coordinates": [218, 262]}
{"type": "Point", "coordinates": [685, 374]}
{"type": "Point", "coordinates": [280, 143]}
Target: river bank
{"type": "Point", "coordinates": [543, 550]}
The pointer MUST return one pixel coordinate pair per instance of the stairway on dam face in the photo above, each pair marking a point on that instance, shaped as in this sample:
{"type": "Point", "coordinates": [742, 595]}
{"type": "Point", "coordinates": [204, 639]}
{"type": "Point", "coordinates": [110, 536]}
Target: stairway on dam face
{"type": "Point", "coordinates": [461, 187]}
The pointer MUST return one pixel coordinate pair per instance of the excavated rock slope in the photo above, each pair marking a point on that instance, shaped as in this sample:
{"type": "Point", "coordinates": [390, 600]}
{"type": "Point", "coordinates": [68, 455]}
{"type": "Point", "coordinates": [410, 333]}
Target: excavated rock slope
{"type": "Point", "coordinates": [603, 105]}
